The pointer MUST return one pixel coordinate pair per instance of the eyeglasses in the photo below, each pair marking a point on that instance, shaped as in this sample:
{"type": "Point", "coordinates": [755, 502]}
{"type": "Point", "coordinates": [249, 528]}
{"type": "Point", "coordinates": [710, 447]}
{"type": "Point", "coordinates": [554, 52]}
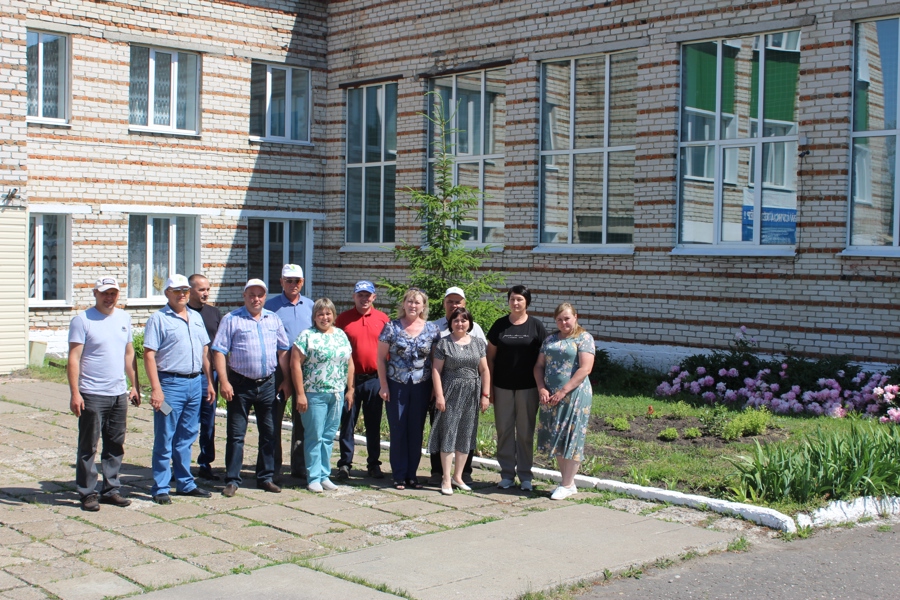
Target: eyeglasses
{"type": "Point", "coordinates": [180, 291]}
{"type": "Point", "coordinates": [292, 281]}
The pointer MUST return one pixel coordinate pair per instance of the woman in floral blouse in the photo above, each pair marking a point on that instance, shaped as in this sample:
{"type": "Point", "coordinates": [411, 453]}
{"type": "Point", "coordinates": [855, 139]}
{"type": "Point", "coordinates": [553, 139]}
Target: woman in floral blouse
{"type": "Point", "coordinates": [404, 372]}
{"type": "Point", "coordinates": [323, 379]}
{"type": "Point", "coordinates": [561, 372]}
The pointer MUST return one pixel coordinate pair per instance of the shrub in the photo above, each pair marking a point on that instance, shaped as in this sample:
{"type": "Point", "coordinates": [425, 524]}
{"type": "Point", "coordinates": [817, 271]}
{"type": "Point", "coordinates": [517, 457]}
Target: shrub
{"type": "Point", "coordinates": [611, 378]}
{"type": "Point", "coordinates": [752, 422]}
{"type": "Point", "coordinates": [679, 410]}
{"type": "Point", "coordinates": [618, 423]}
{"type": "Point", "coordinates": [692, 433]}
{"type": "Point", "coordinates": [669, 434]}
{"type": "Point", "coordinates": [138, 342]}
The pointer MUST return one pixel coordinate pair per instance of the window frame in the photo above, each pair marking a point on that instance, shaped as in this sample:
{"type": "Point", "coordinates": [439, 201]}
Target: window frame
{"type": "Point", "coordinates": [288, 89]}
{"type": "Point", "coordinates": [307, 224]}
{"type": "Point", "coordinates": [64, 83]}
{"type": "Point", "coordinates": [172, 128]}
{"type": "Point", "coordinates": [65, 269]}
{"type": "Point", "coordinates": [571, 152]}
{"type": "Point", "coordinates": [192, 222]}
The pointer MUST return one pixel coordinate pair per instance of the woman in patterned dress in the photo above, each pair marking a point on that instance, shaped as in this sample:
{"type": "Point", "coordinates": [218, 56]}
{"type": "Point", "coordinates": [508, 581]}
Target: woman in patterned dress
{"type": "Point", "coordinates": [323, 374]}
{"type": "Point", "coordinates": [461, 386]}
{"type": "Point", "coordinates": [561, 372]}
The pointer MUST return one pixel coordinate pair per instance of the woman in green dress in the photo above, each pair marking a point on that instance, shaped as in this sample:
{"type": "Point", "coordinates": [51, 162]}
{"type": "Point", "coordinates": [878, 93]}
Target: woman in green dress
{"type": "Point", "coordinates": [561, 372]}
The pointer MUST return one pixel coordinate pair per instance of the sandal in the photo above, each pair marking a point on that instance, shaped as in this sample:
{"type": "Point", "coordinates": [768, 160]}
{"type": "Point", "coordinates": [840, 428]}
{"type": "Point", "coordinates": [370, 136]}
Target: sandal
{"type": "Point", "coordinates": [414, 484]}
{"type": "Point", "coordinates": [399, 485]}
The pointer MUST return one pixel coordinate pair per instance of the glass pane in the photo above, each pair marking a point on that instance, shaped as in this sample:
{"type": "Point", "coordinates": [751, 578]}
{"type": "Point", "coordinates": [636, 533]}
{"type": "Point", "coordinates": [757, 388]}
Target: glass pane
{"type": "Point", "coordinates": [698, 91]}
{"type": "Point", "coordinates": [32, 254]}
{"type": "Point", "coordinates": [590, 100]}
{"type": "Point", "coordinates": [354, 125]}
{"type": "Point", "coordinates": [139, 88]}
{"type": "Point", "coordinates": [782, 91]}
{"type": "Point", "coordinates": [495, 127]}
{"type": "Point", "coordinates": [622, 99]}
{"type": "Point", "coordinates": [737, 195]}
{"type": "Point", "coordinates": [587, 199]}
{"type": "Point", "coordinates": [555, 118]}
{"type": "Point", "coordinates": [54, 76]}
{"type": "Point", "coordinates": [161, 247]}
{"type": "Point", "coordinates": [620, 198]}
{"type": "Point", "coordinates": [137, 255]}
{"type": "Point", "coordinates": [373, 205]}
{"type": "Point", "coordinates": [441, 104]}
{"type": "Point", "coordinates": [53, 269]}
{"type": "Point", "coordinates": [389, 185]}
{"type": "Point", "coordinates": [872, 204]}
{"type": "Point", "coordinates": [255, 249]}
{"type": "Point", "coordinates": [390, 125]}
{"type": "Point", "coordinates": [740, 87]}
{"type": "Point", "coordinates": [185, 246]}
{"type": "Point", "coordinates": [468, 114]}
{"type": "Point", "coordinates": [374, 112]}
{"type": "Point", "coordinates": [297, 247]}
{"type": "Point", "coordinates": [469, 174]}
{"type": "Point", "coordinates": [162, 88]}
{"type": "Point", "coordinates": [779, 195]}
{"type": "Point", "coordinates": [32, 66]}
{"type": "Point", "coordinates": [300, 105]}
{"type": "Point", "coordinates": [875, 93]}
{"type": "Point", "coordinates": [186, 97]}
{"type": "Point", "coordinates": [494, 201]}
{"type": "Point", "coordinates": [555, 199]}
{"type": "Point", "coordinates": [354, 205]}
{"type": "Point", "coordinates": [696, 225]}
{"type": "Point", "coordinates": [276, 257]}
{"type": "Point", "coordinates": [258, 100]}
{"type": "Point", "coordinates": [276, 103]}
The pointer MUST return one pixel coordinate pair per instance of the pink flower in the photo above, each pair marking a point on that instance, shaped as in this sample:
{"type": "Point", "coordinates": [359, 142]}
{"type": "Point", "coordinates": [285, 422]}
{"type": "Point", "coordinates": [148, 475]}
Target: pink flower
{"type": "Point", "coordinates": [701, 370]}
{"type": "Point", "coordinates": [695, 387]}
{"type": "Point", "coordinates": [784, 366]}
{"type": "Point", "coordinates": [743, 329]}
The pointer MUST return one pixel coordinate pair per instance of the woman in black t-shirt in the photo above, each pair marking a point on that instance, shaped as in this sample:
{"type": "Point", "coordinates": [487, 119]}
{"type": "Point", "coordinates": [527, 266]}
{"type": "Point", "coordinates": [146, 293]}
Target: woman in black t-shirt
{"type": "Point", "coordinates": [514, 343]}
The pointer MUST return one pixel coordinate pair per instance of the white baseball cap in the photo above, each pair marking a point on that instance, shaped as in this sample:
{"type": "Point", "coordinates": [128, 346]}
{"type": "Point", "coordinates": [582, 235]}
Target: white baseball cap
{"type": "Point", "coordinates": [290, 270]}
{"type": "Point", "coordinates": [177, 281]}
{"type": "Point", "coordinates": [455, 290]}
{"type": "Point", "coordinates": [106, 283]}
{"type": "Point", "coordinates": [256, 282]}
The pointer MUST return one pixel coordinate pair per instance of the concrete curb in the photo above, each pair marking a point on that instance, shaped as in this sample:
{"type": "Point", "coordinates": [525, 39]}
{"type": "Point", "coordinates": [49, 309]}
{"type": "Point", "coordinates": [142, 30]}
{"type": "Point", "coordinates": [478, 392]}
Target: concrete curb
{"type": "Point", "coordinates": [838, 512]}
{"type": "Point", "coordinates": [757, 514]}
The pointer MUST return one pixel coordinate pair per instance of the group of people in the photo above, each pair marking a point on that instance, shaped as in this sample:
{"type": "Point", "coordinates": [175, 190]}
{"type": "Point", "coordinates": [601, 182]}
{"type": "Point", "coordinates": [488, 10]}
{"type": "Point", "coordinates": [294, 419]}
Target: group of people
{"type": "Point", "coordinates": [332, 368]}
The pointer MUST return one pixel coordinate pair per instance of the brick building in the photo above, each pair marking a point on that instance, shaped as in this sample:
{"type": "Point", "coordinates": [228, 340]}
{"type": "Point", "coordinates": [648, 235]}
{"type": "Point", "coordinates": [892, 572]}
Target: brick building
{"type": "Point", "coordinates": [674, 169]}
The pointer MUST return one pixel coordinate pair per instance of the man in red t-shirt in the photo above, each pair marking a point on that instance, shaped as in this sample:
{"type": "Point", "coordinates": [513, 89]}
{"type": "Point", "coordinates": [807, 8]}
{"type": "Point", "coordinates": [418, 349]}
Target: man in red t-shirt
{"type": "Point", "coordinates": [363, 324]}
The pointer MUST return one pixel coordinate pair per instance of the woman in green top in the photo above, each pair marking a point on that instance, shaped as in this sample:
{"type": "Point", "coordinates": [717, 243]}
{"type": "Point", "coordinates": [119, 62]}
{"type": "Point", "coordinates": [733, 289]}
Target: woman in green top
{"type": "Point", "coordinates": [323, 373]}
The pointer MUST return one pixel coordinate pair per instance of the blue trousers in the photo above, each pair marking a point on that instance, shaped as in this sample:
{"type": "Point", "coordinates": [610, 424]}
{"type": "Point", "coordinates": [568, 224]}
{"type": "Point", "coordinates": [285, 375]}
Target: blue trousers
{"type": "Point", "coordinates": [261, 398]}
{"type": "Point", "coordinates": [174, 434]}
{"type": "Point", "coordinates": [406, 413]}
{"type": "Point", "coordinates": [207, 440]}
{"type": "Point", "coordinates": [367, 400]}
{"type": "Point", "coordinates": [320, 422]}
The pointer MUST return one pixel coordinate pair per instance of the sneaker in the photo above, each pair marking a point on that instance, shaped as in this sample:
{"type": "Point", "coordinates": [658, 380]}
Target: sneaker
{"type": "Point", "coordinates": [505, 484]}
{"type": "Point", "coordinates": [375, 472]}
{"type": "Point", "coordinates": [90, 503]}
{"type": "Point", "coordinates": [562, 492]}
{"type": "Point", "coordinates": [315, 487]}
{"type": "Point", "coordinates": [526, 486]}
{"type": "Point", "coordinates": [328, 485]}
{"type": "Point", "coordinates": [115, 499]}
{"type": "Point", "coordinates": [343, 473]}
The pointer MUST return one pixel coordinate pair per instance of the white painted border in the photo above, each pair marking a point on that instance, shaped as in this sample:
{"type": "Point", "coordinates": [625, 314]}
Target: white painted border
{"type": "Point", "coordinates": [59, 209]}
{"type": "Point", "coordinates": [151, 209]}
{"type": "Point", "coordinates": [238, 213]}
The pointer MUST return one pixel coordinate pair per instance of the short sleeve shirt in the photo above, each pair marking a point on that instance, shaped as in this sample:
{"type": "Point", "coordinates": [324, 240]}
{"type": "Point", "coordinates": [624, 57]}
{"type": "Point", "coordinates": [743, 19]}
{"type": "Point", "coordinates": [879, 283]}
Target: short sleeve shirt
{"type": "Point", "coordinates": [251, 345]}
{"type": "Point", "coordinates": [409, 360]}
{"type": "Point", "coordinates": [363, 332]}
{"type": "Point", "coordinates": [296, 317]}
{"type": "Point", "coordinates": [327, 360]}
{"type": "Point", "coordinates": [178, 343]}
{"type": "Point", "coordinates": [518, 347]}
{"type": "Point", "coordinates": [105, 338]}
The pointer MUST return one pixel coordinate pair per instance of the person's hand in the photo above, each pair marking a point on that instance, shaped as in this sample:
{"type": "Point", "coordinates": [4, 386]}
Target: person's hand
{"type": "Point", "coordinates": [134, 396]}
{"type": "Point", "coordinates": [384, 394]}
{"type": "Point", "coordinates": [226, 390]}
{"type": "Point", "coordinates": [300, 402]}
{"type": "Point", "coordinates": [156, 398]}
{"type": "Point", "coordinates": [211, 394]}
{"type": "Point", "coordinates": [544, 395]}
{"type": "Point", "coordinates": [286, 388]}
{"type": "Point", "coordinates": [76, 404]}
{"type": "Point", "coordinates": [556, 398]}
{"type": "Point", "coordinates": [348, 397]}
{"type": "Point", "coordinates": [440, 404]}
{"type": "Point", "coordinates": [485, 403]}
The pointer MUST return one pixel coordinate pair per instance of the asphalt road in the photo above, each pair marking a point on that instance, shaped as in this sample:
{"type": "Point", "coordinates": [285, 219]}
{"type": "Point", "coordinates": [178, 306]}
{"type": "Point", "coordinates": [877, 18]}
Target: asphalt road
{"type": "Point", "coordinates": [855, 563]}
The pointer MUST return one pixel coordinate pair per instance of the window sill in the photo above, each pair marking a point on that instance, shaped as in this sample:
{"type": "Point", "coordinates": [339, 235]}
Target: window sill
{"type": "Point", "coordinates": [263, 140]}
{"type": "Point", "coordinates": [735, 251]}
{"type": "Point", "coordinates": [165, 132]}
{"type": "Point", "coordinates": [871, 252]}
{"type": "Point", "coordinates": [40, 121]}
{"type": "Point", "coordinates": [582, 249]}
{"type": "Point", "coordinates": [483, 246]}
{"type": "Point", "coordinates": [49, 304]}
{"type": "Point", "coordinates": [366, 248]}
{"type": "Point", "coordinates": [161, 301]}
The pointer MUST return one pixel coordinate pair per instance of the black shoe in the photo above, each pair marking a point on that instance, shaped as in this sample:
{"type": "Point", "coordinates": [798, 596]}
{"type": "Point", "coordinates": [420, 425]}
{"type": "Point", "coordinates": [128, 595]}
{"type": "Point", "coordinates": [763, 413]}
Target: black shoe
{"type": "Point", "coordinates": [298, 474]}
{"type": "Point", "coordinates": [90, 503]}
{"type": "Point", "coordinates": [276, 479]}
{"type": "Point", "coordinates": [116, 499]}
{"type": "Point", "coordinates": [197, 492]}
{"type": "Point", "coordinates": [375, 472]}
{"type": "Point", "coordinates": [343, 473]}
{"type": "Point", "coordinates": [229, 490]}
{"type": "Point", "coordinates": [268, 486]}
{"type": "Point", "coordinates": [206, 473]}
{"type": "Point", "coordinates": [162, 499]}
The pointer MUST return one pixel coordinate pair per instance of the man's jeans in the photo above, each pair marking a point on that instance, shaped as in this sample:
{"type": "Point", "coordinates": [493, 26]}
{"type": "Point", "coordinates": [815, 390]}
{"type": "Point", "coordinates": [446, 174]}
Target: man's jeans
{"type": "Point", "coordinates": [367, 400]}
{"type": "Point", "coordinates": [174, 434]}
{"type": "Point", "coordinates": [261, 398]}
{"type": "Point", "coordinates": [207, 441]}
{"type": "Point", "coordinates": [102, 416]}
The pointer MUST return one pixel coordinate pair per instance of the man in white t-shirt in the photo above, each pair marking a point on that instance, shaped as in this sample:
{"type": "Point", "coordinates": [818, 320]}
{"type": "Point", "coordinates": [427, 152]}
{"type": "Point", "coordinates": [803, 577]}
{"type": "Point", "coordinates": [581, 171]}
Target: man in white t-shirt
{"type": "Point", "coordinates": [101, 354]}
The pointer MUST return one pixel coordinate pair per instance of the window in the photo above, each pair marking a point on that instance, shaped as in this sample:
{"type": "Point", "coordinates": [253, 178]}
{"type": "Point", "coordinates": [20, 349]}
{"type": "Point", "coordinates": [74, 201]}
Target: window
{"type": "Point", "coordinates": [48, 265]}
{"type": "Point", "coordinates": [272, 244]}
{"type": "Point", "coordinates": [476, 105]}
{"type": "Point", "coordinates": [47, 67]}
{"type": "Point", "coordinates": [164, 91]}
{"type": "Point", "coordinates": [279, 103]}
{"type": "Point", "coordinates": [874, 197]}
{"type": "Point", "coordinates": [588, 116]}
{"type": "Point", "coordinates": [728, 88]}
{"type": "Point", "coordinates": [158, 247]}
{"type": "Point", "coordinates": [371, 163]}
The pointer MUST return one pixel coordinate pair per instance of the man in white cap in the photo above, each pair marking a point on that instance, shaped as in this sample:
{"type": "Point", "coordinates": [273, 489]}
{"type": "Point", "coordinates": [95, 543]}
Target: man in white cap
{"type": "Point", "coordinates": [175, 354]}
{"type": "Point", "coordinates": [101, 354]}
{"type": "Point", "coordinates": [254, 341]}
{"type": "Point", "coordinates": [454, 298]}
{"type": "Point", "coordinates": [295, 311]}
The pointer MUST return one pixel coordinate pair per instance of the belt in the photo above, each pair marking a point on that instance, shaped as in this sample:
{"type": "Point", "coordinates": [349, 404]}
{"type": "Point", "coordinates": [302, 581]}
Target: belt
{"type": "Point", "coordinates": [365, 377]}
{"type": "Point", "coordinates": [238, 378]}
{"type": "Point", "coordinates": [181, 375]}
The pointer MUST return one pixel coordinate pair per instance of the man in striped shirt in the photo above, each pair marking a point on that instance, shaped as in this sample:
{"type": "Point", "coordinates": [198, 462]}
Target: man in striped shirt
{"type": "Point", "coordinates": [254, 341]}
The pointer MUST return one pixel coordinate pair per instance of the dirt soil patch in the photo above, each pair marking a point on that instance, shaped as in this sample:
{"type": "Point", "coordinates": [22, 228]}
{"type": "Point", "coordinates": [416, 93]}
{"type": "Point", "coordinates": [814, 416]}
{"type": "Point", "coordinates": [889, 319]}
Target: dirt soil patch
{"type": "Point", "coordinates": [646, 429]}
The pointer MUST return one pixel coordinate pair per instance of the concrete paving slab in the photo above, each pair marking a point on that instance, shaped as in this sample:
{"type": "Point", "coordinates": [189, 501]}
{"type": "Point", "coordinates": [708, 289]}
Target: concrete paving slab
{"type": "Point", "coordinates": [230, 562]}
{"type": "Point", "coordinates": [285, 582]}
{"type": "Point", "coordinates": [93, 587]}
{"type": "Point", "coordinates": [411, 508]}
{"type": "Point", "coordinates": [581, 540]}
{"type": "Point", "coordinates": [188, 547]}
{"type": "Point", "coordinates": [168, 572]}
{"type": "Point", "coordinates": [9, 407]}
{"type": "Point", "coordinates": [8, 582]}
{"type": "Point", "coordinates": [291, 549]}
{"type": "Point", "coordinates": [29, 593]}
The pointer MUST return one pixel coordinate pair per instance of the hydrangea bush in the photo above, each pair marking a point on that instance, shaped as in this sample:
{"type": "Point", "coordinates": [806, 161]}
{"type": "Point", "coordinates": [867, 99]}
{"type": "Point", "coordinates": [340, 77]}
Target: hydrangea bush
{"type": "Point", "coordinates": [796, 385]}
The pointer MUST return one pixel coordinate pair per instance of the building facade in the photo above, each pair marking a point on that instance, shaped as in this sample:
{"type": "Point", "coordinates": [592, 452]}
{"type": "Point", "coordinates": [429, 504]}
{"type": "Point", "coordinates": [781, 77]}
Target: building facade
{"type": "Point", "coordinates": [675, 169]}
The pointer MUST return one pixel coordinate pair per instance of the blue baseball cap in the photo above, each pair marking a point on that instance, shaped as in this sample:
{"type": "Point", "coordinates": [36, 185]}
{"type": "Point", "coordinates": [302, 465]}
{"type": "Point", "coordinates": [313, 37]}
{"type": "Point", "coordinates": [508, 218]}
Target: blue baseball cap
{"type": "Point", "coordinates": [364, 286]}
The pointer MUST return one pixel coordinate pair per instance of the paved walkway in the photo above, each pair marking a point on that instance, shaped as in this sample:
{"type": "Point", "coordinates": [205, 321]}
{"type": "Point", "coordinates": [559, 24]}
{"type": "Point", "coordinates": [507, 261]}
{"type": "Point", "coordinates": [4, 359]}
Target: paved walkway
{"type": "Point", "coordinates": [353, 542]}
